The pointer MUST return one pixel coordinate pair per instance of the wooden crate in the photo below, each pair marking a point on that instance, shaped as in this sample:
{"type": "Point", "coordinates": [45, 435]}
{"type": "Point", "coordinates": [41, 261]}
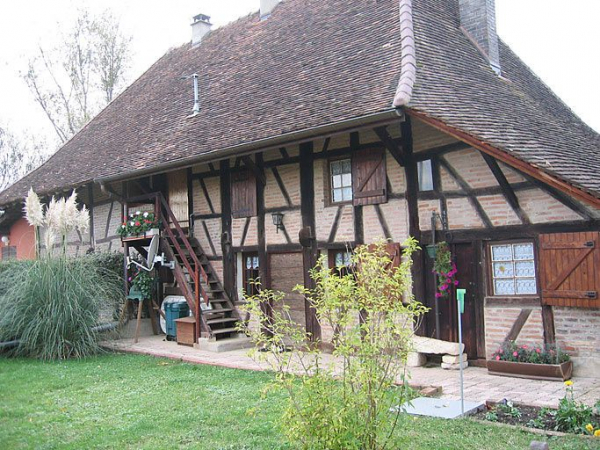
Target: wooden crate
{"type": "Point", "coordinates": [186, 330]}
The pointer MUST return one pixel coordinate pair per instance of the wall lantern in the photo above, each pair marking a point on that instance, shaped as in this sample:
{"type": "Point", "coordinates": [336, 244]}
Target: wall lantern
{"type": "Point", "coordinates": [5, 240]}
{"type": "Point", "coordinates": [277, 220]}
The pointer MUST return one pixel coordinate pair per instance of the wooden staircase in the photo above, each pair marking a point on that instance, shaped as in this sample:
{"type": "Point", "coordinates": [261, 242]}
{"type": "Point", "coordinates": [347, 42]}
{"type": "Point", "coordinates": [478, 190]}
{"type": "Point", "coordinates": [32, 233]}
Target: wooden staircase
{"type": "Point", "coordinates": [219, 316]}
{"type": "Point", "coordinates": [216, 315]}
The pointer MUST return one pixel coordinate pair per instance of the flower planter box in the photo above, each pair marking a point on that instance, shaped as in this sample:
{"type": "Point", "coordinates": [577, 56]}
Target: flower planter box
{"type": "Point", "coordinates": [552, 372]}
{"type": "Point", "coordinates": [147, 235]}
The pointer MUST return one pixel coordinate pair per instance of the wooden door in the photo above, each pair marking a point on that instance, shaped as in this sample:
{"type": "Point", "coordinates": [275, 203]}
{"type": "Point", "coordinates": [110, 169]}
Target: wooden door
{"type": "Point", "coordinates": [285, 272]}
{"type": "Point", "coordinates": [178, 196]}
{"type": "Point", "coordinates": [569, 269]}
{"type": "Point", "coordinates": [466, 264]}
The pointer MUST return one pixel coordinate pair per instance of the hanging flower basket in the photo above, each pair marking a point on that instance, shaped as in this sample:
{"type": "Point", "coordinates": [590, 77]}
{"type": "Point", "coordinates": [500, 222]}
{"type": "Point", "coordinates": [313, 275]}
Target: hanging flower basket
{"type": "Point", "coordinates": [139, 225]}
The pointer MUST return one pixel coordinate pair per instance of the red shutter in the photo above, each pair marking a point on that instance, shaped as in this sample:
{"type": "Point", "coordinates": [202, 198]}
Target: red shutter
{"type": "Point", "coordinates": [369, 177]}
{"type": "Point", "coordinates": [243, 194]}
{"type": "Point", "coordinates": [570, 269]}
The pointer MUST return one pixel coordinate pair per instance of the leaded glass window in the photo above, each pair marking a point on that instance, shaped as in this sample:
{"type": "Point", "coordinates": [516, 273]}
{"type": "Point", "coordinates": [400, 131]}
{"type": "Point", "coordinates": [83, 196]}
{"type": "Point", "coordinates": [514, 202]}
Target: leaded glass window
{"type": "Point", "coordinates": [513, 269]}
{"type": "Point", "coordinates": [341, 180]}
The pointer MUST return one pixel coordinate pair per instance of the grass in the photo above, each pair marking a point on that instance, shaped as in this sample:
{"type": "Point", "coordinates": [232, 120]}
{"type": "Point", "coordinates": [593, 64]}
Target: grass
{"type": "Point", "coordinates": [136, 402]}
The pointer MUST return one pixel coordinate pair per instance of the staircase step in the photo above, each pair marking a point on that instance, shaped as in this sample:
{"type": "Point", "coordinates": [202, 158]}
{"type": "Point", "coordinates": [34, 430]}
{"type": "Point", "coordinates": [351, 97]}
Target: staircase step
{"type": "Point", "coordinates": [224, 320]}
{"type": "Point", "coordinates": [225, 330]}
{"type": "Point", "coordinates": [217, 311]}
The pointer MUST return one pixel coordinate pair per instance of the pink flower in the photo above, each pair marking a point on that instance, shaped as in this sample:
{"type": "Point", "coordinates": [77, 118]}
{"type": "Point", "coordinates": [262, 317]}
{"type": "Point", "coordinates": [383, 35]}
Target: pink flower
{"type": "Point", "coordinates": [438, 295]}
{"type": "Point", "coordinates": [498, 358]}
{"type": "Point", "coordinates": [538, 350]}
{"type": "Point", "coordinates": [444, 287]}
{"type": "Point", "coordinates": [524, 347]}
{"type": "Point", "coordinates": [455, 282]}
{"type": "Point", "coordinates": [129, 278]}
{"type": "Point", "coordinates": [515, 354]}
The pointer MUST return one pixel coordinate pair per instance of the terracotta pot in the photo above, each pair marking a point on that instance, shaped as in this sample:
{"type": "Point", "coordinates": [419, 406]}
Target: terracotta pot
{"type": "Point", "coordinates": [553, 372]}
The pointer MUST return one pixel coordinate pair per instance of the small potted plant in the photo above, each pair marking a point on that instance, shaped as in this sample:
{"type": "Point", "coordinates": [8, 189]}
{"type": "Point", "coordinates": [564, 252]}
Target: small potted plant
{"type": "Point", "coordinates": [141, 223]}
{"type": "Point", "coordinates": [524, 361]}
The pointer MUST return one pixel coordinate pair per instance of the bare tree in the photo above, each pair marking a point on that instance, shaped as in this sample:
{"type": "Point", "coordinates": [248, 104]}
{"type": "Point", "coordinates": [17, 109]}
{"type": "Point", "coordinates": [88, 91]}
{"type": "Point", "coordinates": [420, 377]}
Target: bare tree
{"type": "Point", "coordinates": [75, 80]}
{"type": "Point", "coordinates": [19, 156]}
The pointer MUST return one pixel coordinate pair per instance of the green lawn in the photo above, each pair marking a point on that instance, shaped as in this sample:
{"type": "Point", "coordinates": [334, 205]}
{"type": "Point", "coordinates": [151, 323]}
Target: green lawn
{"type": "Point", "coordinates": [125, 401]}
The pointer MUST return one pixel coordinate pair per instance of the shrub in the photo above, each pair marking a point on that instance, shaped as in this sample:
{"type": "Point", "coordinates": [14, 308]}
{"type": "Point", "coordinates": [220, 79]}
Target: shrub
{"type": "Point", "coordinates": [353, 406]}
{"type": "Point", "coordinates": [52, 304]}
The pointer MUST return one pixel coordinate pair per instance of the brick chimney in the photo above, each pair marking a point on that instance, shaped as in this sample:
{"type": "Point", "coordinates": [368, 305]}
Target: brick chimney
{"type": "Point", "coordinates": [200, 28]}
{"type": "Point", "coordinates": [267, 7]}
{"type": "Point", "coordinates": [478, 20]}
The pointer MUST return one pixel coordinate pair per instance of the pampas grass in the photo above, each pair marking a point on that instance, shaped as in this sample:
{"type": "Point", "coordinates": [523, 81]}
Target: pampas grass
{"type": "Point", "coordinates": [52, 304]}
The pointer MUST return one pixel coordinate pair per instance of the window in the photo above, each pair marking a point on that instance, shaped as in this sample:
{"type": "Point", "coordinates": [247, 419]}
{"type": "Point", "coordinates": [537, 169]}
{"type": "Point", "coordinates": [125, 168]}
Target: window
{"type": "Point", "coordinates": [425, 175]}
{"type": "Point", "coordinates": [340, 261]}
{"type": "Point", "coordinates": [9, 253]}
{"type": "Point", "coordinates": [341, 180]}
{"type": "Point", "coordinates": [251, 273]}
{"type": "Point", "coordinates": [513, 269]}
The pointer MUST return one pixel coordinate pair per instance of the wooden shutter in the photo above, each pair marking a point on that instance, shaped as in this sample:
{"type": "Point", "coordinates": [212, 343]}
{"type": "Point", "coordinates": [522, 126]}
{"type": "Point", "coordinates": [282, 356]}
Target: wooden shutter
{"type": "Point", "coordinates": [243, 194]}
{"type": "Point", "coordinates": [369, 177]}
{"type": "Point", "coordinates": [570, 269]}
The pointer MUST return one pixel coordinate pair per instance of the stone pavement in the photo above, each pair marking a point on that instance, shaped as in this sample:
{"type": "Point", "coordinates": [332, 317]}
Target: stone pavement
{"type": "Point", "coordinates": [479, 385]}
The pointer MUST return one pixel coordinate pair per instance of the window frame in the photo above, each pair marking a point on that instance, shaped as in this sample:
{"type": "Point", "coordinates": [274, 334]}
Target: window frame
{"type": "Point", "coordinates": [331, 253]}
{"type": "Point", "coordinates": [329, 194]}
{"type": "Point", "coordinates": [431, 168]}
{"type": "Point", "coordinates": [8, 253]}
{"type": "Point", "coordinates": [245, 279]}
{"type": "Point", "coordinates": [490, 268]}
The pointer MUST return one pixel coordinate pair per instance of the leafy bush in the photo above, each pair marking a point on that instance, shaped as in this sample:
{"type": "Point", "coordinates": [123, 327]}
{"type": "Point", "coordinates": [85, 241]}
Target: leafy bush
{"type": "Point", "coordinates": [52, 304]}
{"type": "Point", "coordinates": [353, 406]}
{"type": "Point", "coordinates": [573, 416]}
{"type": "Point", "coordinates": [510, 351]}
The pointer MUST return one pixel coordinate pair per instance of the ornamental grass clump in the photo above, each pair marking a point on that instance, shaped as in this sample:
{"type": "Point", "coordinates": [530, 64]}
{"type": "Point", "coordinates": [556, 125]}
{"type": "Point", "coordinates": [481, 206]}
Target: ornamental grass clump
{"type": "Point", "coordinates": [370, 308]}
{"type": "Point", "coordinates": [51, 305]}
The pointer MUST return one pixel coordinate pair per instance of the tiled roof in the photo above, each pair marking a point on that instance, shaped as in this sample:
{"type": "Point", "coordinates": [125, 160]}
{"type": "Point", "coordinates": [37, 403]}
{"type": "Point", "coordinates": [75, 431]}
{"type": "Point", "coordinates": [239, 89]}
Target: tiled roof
{"type": "Point", "coordinates": [516, 113]}
{"type": "Point", "coordinates": [318, 62]}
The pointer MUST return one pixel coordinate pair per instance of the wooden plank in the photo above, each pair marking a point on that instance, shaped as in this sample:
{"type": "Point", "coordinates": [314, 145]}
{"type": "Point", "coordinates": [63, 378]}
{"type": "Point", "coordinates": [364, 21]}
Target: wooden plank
{"type": "Point", "coordinates": [548, 325]}
{"type": "Point", "coordinates": [577, 244]}
{"type": "Point", "coordinates": [310, 253]}
{"type": "Point", "coordinates": [568, 269]}
{"type": "Point", "coordinates": [244, 199]}
{"type": "Point", "coordinates": [587, 295]}
{"type": "Point", "coordinates": [465, 187]}
{"type": "Point", "coordinates": [369, 177]}
{"type": "Point", "coordinates": [518, 325]}
{"type": "Point", "coordinates": [507, 190]}
{"type": "Point", "coordinates": [245, 232]}
{"type": "Point", "coordinates": [263, 258]}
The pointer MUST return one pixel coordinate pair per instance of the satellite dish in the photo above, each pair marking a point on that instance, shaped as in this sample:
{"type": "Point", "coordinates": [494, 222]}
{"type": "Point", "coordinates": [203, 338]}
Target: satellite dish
{"type": "Point", "coordinates": [152, 251]}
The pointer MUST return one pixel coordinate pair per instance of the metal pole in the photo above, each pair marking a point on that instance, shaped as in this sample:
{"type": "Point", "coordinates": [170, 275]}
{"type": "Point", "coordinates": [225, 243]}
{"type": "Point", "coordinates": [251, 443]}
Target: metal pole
{"type": "Point", "coordinates": [460, 361]}
{"type": "Point", "coordinates": [435, 283]}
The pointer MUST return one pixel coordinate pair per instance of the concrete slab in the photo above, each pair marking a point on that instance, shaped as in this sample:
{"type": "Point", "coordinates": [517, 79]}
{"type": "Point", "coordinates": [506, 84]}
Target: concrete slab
{"type": "Point", "coordinates": [440, 407]}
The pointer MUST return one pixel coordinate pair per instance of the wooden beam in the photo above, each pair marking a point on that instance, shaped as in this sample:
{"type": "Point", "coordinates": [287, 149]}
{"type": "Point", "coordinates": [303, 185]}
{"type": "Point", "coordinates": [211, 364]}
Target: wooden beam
{"type": "Point", "coordinates": [190, 192]}
{"type": "Point", "coordinates": [335, 225]}
{"type": "Point", "coordinates": [511, 160]}
{"type": "Point", "coordinates": [465, 187]}
{"type": "Point", "coordinates": [383, 223]}
{"type": "Point", "coordinates": [209, 238]}
{"type": "Point", "coordinates": [207, 196]}
{"type": "Point", "coordinates": [437, 185]}
{"type": "Point", "coordinates": [282, 188]}
{"type": "Point", "coordinates": [309, 253]}
{"type": "Point", "coordinates": [518, 325]}
{"type": "Point", "coordinates": [507, 190]}
{"type": "Point", "coordinates": [441, 150]}
{"type": "Point", "coordinates": [390, 144]}
{"type": "Point", "coordinates": [245, 232]}
{"type": "Point", "coordinates": [284, 153]}
{"type": "Point", "coordinates": [260, 174]}
{"type": "Point", "coordinates": [226, 230]}
{"type": "Point", "coordinates": [548, 325]}
{"type": "Point", "coordinates": [326, 143]}
{"type": "Point", "coordinates": [412, 200]}
{"type": "Point", "coordinates": [91, 208]}
{"type": "Point", "coordinates": [263, 257]}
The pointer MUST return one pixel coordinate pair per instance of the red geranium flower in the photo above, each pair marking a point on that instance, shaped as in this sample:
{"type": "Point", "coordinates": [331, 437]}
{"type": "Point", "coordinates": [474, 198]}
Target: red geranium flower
{"type": "Point", "coordinates": [137, 224]}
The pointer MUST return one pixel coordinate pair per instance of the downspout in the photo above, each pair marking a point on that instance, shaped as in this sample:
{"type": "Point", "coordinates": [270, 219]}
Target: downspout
{"type": "Point", "coordinates": [408, 64]}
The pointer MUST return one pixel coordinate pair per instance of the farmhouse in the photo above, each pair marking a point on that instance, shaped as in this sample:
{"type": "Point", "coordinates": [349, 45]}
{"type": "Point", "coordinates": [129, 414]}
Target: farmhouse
{"type": "Point", "coordinates": [320, 125]}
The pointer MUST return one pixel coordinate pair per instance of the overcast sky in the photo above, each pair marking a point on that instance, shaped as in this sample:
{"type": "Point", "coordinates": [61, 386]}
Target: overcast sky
{"type": "Point", "coordinates": [558, 39]}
